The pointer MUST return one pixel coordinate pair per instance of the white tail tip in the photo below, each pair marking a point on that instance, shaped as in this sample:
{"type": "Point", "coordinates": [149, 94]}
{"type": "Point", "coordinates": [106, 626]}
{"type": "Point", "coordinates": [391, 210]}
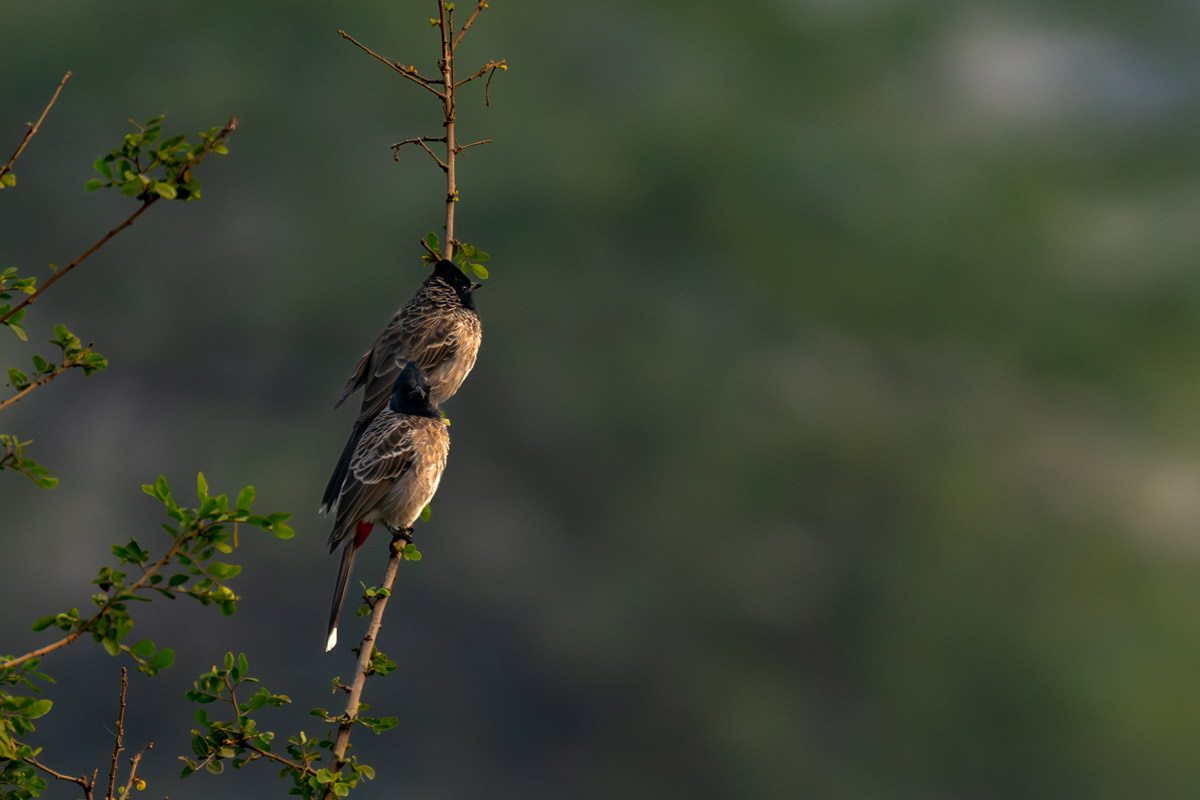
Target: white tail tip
{"type": "Point", "coordinates": [332, 643]}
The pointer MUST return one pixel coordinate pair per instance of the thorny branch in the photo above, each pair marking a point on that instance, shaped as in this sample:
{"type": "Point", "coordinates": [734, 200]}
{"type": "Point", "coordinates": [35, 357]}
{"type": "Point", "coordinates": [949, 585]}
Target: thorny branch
{"type": "Point", "coordinates": [229, 128]}
{"type": "Point", "coordinates": [33, 129]}
{"type": "Point", "coordinates": [117, 748]}
{"type": "Point", "coordinates": [366, 650]}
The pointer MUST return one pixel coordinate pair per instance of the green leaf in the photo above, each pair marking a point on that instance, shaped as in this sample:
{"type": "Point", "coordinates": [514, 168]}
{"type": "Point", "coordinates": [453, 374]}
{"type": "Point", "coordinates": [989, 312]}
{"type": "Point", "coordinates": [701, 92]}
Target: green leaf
{"type": "Point", "coordinates": [223, 572]}
{"type": "Point", "coordinates": [93, 184]}
{"type": "Point", "coordinates": [40, 364]}
{"type": "Point", "coordinates": [38, 708]}
{"type": "Point", "coordinates": [18, 330]}
{"type": "Point", "coordinates": [201, 486]}
{"type": "Point", "coordinates": [245, 497]}
{"type": "Point", "coordinates": [283, 531]}
{"type": "Point", "coordinates": [111, 646]}
{"type": "Point", "coordinates": [426, 513]}
{"type": "Point", "coordinates": [8, 179]}
{"type": "Point", "coordinates": [165, 190]}
{"type": "Point", "coordinates": [431, 239]}
{"type": "Point", "coordinates": [161, 488]}
{"type": "Point", "coordinates": [162, 659]}
{"type": "Point", "coordinates": [480, 270]}
{"type": "Point", "coordinates": [42, 623]}
{"type": "Point", "coordinates": [143, 649]}
{"type": "Point", "coordinates": [101, 166]}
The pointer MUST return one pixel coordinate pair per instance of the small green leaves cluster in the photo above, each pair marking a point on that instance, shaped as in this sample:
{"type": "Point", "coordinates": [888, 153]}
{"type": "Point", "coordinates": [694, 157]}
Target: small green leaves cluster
{"type": "Point", "coordinates": [466, 255]}
{"type": "Point", "coordinates": [240, 741]}
{"type": "Point", "coordinates": [19, 779]}
{"type": "Point", "coordinates": [7, 180]}
{"type": "Point", "coordinates": [11, 282]}
{"type": "Point", "coordinates": [74, 354]}
{"type": "Point", "coordinates": [166, 171]}
{"type": "Point", "coordinates": [12, 456]}
{"type": "Point", "coordinates": [187, 567]}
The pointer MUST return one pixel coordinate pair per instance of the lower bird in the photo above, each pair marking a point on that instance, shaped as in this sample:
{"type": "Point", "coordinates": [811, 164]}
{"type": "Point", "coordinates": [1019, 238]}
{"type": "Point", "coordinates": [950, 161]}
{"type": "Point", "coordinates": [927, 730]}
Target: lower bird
{"type": "Point", "coordinates": [392, 475]}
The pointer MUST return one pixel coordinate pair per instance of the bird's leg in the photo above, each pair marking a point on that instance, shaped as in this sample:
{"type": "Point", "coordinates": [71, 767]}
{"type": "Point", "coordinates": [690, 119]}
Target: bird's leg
{"type": "Point", "coordinates": [401, 535]}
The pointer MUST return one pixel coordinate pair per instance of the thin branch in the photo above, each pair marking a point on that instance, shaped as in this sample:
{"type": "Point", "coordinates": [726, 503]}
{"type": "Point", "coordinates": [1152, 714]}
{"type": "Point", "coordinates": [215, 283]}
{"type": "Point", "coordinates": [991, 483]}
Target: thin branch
{"type": "Point", "coordinates": [117, 748]}
{"type": "Point", "coordinates": [33, 129]}
{"type": "Point", "coordinates": [462, 147]}
{"type": "Point", "coordinates": [229, 128]}
{"type": "Point", "coordinates": [103, 240]}
{"type": "Point", "coordinates": [446, 16]}
{"type": "Point", "coordinates": [133, 767]}
{"type": "Point", "coordinates": [421, 140]}
{"type": "Point", "coordinates": [491, 66]}
{"type": "Point", "coordinates": [366, 650]}
{"type": "Point", "coordinates": [83, 782]}
{"type": "Point", "coordinates": [463, 31]}
{"type": "Point", "coordinates": [429, 249]}
{"type": "Point", "coordinates": [305, 769]}
{"type": "Point", "coordinates": [39, 382]}
{"type": "Point", "coordinates": [408, 72]}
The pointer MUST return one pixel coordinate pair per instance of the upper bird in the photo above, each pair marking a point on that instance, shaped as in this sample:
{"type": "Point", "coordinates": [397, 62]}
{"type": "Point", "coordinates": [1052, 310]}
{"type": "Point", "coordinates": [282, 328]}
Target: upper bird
{"type": "Point", "coordinates": [438, 329]}
{"type": "Point", "coordinates": [392, 474]}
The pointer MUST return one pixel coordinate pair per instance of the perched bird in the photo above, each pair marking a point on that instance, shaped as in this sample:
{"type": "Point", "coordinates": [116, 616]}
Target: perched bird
{"type": "Point", "coordinates": [392, 474]}
{"type": "Point", "coordinates": [438, 329]}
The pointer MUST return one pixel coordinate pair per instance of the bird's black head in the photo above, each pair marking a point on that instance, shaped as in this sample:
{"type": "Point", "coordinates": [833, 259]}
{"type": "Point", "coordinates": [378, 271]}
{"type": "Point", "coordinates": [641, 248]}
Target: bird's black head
{"type": "Point", "coordinates": [449, 272]}
{"type": "Point", "coordinates": [410, 393]}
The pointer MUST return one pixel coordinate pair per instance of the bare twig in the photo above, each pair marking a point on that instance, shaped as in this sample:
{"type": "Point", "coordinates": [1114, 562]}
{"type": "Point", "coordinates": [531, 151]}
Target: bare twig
{"type": "Point", "coordinates": [83, 782]}
{"type": "Point", "coordinates": [421, 140]}
{"type": "Point", "coordinates": [463, 31]}
{"type": "Point", "coordinates": [446, 18]}
{"type": "Point", "coordinates": [408, 72]}
{"type": "Point", "coordinates": [133, 768]}
{"type": "Point", "coordinates": [229, 128]}
{"type": "Point", "coordinates": [491, 66]}
{"type": "Point", "coordinates": [117, 748]}
{"type": "Point", "coordinates": [462, 147]}
{"type": "Point", "coordinates": [33, 129]}
{"type": "Point", "coordinates": [366, 650]}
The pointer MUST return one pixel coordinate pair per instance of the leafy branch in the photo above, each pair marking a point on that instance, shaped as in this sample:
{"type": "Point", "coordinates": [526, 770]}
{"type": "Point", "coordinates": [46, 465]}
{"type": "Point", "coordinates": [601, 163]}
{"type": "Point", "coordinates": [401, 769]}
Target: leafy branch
{"type": "Point", "coordinates": [74, 354]}
{"type": "Point", "coordinates": [199, 535]}
{"type": "Point", "coordinates": [176, 159]}
{"type": "Point", "coordinates": [12, 456]}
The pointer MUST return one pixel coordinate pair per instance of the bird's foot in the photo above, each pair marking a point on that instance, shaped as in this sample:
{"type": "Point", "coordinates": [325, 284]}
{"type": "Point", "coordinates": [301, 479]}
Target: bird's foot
{"type": "Point", "coordinates": [402, 535]}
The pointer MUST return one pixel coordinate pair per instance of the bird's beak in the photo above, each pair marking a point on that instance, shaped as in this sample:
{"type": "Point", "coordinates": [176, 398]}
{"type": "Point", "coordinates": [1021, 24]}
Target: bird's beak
{"type": "Point", "coordinates": [475, 286]}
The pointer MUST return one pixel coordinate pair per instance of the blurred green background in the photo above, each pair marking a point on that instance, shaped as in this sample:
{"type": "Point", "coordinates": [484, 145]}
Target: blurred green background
{"type": "Point", "coordinates": [833, 433]}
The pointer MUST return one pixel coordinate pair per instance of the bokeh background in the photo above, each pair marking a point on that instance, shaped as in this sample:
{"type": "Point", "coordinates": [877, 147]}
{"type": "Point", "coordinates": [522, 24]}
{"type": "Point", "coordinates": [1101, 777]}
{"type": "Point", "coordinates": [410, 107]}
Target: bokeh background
{"type": "Point", "coordinates": [834, 432]}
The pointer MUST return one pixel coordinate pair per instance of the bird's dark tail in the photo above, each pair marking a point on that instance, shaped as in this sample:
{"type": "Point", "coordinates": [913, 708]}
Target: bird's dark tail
{"type": "Point", "coordinates": [339, 592]}
{"type": "Point", "coordinates": [334, 487]}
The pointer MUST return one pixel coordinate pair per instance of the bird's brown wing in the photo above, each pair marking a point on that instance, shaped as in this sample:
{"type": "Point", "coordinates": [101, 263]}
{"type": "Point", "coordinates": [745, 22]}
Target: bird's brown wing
{"type": "Point", "coordinates": [427, 336]}
{"type": "Point", "coordinates": [384, 453]}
